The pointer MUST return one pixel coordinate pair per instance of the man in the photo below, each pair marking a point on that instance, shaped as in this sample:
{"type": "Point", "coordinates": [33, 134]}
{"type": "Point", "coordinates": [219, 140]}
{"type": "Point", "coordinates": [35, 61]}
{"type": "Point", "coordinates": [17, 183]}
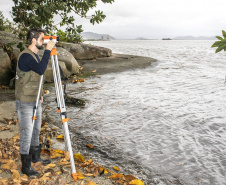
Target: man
{"type": "Point", "coordinates": [28, 74]}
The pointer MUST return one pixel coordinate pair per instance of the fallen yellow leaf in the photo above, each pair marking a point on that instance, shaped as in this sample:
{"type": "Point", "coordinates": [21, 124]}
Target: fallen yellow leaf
{"type": "Point", "coordinates": [45, 177]}
{"type": "Point", "coordinates": [136, 182]}
{"type": "Point", "coordinates": [24, 178]}
{"type": "Point", "coordinates": [55, 155]}
{"type": "Point", "coordinates": [16, 175]}
{"type": "Point", "coordinates": [60, 137]}
{"type": "Point", "coordinates": [6, 161]}
{"type": "Point", "coordinates": [33, 182]}
{"type": "Point", "coordinates": [9, 166]}
{"type": "Point", "coordinates": [101, 169]}
{"type": "Point", "coordinates": [129, 178]}
{"type": "Point", "coordinates": [90, 183]}
{"type": "Point", "coordinates": [17, 148]}
{"type": "Point", "coordinates": [81, 80]}
{"type": "Point", "coordinates": [66, 155]}
{"type": "Point", "coordinates": [116, 168]}
{"type": "Point", "coordinates": [4, 181]}
{"type": "Point", "coordinates": [10, 122]}
{"type": "Point", "coordinates": [63, 162]}
{"type": "Point", "coordinates": [88, 175]}
{"type": "Point", "coordinates": [94, 71]}
{"type": "Point", "coordinates": [51, 165]}
{"type": "Point", "coordinates": [80, 176]}
{"type": "Point", "coordinates": [87, 163]}
{"type": "Point", "coordinates": [37, 166]}
{"type": "Point", "coordinates": [116, 176]}
{"type": "Point", "coordinates": [79, 157]}
{"type": "Point", "coordinates": [95, 173]}
{"type": "Point", "coordinates": [90, 146]}
{"type": "Point", "coordinates": [17, 136]}
{"type": "Point", "coordinates": [46, 92]}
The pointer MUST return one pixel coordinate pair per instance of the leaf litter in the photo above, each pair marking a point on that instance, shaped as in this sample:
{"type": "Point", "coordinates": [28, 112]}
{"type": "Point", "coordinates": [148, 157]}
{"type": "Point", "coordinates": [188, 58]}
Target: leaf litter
{"type": "Point", "coordinates": [59, 170]}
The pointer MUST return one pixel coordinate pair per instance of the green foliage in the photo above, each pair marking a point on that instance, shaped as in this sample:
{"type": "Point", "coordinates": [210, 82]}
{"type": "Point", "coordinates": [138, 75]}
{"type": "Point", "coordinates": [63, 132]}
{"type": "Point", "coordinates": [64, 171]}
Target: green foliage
{"type": "Point", "coordinates": [40, 13]}
{"type": "Point", "coordinates": [20, 45]}
{"type": "Point", "coordinates": [221, 44]}
{"type": "Point", "coordinates": [70, 35]}
{"type": "Point", "coordinates": [62, 35]}
{"type": "Point", "coordinates": [8, 46]}
{"type": "Point", "coordinates": [1, 22]}
{"type": "Point", "coordinates": [98, 17]}
{"type": "Point", "coordinates": [5, 24]}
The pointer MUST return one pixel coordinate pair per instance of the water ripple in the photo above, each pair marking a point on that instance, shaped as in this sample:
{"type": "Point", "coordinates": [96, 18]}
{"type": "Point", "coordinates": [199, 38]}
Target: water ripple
{"type": "Point", "coordinates": [168, 121]}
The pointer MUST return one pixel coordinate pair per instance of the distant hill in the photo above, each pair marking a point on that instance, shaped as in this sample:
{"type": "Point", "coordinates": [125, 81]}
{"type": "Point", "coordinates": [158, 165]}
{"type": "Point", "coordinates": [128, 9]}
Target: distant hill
{"type": "Point", "coordinates": [141, 38]}
{"type": "Point", "coordinates": [194, 38]}
{"type": "Point", "coordinates": [96, 36]}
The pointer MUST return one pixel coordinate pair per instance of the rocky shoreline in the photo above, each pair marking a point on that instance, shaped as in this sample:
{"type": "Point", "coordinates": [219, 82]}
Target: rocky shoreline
{"type": "Point", "coordinates": [113, 64]}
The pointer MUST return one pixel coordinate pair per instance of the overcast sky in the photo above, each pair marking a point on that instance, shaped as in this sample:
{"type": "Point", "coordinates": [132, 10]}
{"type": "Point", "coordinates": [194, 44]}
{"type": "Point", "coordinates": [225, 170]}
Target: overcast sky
{"type": "Point", "coordinates": [154, 19]}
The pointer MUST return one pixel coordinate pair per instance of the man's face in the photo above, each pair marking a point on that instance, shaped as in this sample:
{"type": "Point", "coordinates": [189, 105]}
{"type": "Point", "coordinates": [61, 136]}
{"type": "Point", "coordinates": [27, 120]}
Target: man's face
{"type": "Point", "coordinates": [40, 42]}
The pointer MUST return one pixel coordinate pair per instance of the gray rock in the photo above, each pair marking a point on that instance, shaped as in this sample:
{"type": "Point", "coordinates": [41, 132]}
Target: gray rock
{"type": "Point", "coordinates": [67, 55]}
{"type": "Point", "coordinates": [5, 68]}
{"type": "Point", "coordinates": [85, 51]}
{"type": "Point", "coordinates": [66, 61]}
{"type": "Point", "coordinates": [75, 101]}
{"type": "Point", "coordinates": [6, 37]}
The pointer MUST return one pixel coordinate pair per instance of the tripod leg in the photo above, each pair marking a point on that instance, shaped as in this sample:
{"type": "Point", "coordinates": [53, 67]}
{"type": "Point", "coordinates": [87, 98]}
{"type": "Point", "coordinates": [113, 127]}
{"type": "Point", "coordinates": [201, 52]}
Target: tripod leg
{"type": "Point", "coordinates": [59, 91]}
{"type": "Point", "coordinates": [37, 100]}
{"type": "Point", "coordinates": [61, 106]}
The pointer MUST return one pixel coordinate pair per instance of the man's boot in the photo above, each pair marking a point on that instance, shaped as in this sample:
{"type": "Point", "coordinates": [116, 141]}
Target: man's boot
{"type": "Point", "coordinates": [35, 152]}
{"type": "Point", "coordinates": [26, 165]}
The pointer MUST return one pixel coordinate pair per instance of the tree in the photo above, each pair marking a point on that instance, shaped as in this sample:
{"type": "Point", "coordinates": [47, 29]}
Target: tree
{"type": "Point", "coordinates": [40, 13]}
{"type": "Point", "coordinates": [221, 44]}
{"type": "Point", "coordinates": [5, 24]}
{"type": "Point", "coordinates": [1, 21]}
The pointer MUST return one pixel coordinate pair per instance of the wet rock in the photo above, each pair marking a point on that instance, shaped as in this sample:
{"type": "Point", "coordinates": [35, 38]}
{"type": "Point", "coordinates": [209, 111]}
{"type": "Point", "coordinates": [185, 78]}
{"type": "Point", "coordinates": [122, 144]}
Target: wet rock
{"type": "Point", "coordinates": [85, 51]}
{"type": "Point", "coordinates": [75, 101]}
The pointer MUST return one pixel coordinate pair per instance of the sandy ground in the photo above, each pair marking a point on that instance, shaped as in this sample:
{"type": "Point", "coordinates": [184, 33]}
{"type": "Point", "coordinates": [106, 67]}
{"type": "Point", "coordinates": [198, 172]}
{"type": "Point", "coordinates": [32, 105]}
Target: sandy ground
{"type": "Point", "coordinates": [115, 63]}
{"type": "Point", "coordinates": [8, 111]}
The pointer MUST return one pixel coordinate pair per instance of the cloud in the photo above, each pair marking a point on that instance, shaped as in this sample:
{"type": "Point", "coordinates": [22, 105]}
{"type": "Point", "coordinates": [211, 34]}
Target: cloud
{"type": "Point", "coordinates": [6, 7]}
{"type": "Point", "coordinates": [155, 19]}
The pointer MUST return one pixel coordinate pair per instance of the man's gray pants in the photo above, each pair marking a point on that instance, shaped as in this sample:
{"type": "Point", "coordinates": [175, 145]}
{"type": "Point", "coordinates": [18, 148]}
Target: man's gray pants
{"type": "Point", "coordinates": [29, 133]}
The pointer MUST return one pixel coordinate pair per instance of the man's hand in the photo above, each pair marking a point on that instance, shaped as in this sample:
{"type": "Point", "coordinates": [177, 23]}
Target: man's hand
{"type": "Point", "coordinates": [50, 45]}
{"type": "Point", "coordinates": [41, 100]}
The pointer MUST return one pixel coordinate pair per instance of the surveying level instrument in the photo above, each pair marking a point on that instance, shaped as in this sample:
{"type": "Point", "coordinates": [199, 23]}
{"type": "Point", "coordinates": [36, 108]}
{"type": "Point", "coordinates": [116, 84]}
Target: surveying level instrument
{"type": "Point", "coordinates": [55, 39]}
{"type": "Point", "coordinates": [60, 100]}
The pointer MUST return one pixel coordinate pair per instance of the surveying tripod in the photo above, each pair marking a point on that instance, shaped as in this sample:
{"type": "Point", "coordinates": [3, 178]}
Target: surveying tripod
{"type": "Point", "coordinates": [60, 100]}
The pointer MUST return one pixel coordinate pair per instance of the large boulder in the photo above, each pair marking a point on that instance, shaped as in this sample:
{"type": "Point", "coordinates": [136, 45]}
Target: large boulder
{"type": "Point", "coordinates": [12, 40]}
{"type": "Point", "coordinates": [5, 68]}
{"type": "Point", "coordinates": [6, 37]}
{"type": "Point", "coordinates": [66, 61]}
{"type": "Point", "coordinates": [85, 51]}
{"type": "Point", "coordinates": [67, 55]}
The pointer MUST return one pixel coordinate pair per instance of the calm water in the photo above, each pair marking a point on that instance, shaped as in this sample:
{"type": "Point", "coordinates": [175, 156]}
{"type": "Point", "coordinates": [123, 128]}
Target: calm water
{"type": "Point", "coordinates": [166, 123]}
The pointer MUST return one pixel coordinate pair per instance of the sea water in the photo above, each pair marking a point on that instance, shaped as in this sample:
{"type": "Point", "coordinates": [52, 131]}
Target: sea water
{"type": "Point", "coordinates": [166, 123]}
